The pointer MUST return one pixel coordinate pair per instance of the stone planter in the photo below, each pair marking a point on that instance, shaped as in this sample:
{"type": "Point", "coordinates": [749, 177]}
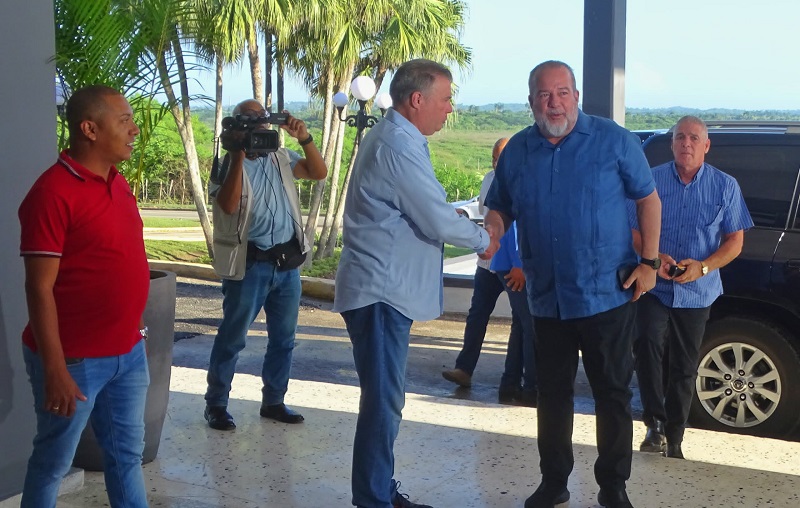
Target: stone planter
{"type": "Point", "coordinates": [159, 315]}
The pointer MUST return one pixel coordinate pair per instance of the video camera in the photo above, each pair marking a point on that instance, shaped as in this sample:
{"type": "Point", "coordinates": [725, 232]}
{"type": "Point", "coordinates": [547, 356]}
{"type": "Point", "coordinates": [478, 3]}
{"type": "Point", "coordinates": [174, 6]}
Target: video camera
{"type": "Point", "coordinates": [257, 141]}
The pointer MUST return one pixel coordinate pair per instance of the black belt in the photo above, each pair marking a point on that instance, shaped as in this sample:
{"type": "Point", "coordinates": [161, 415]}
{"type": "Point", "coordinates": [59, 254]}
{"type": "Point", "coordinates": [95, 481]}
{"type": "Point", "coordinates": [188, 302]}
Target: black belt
{"type": "Point", "coordinates": [256, 254]}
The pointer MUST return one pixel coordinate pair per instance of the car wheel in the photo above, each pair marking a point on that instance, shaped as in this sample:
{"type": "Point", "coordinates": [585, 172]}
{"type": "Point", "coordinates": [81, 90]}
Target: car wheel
{"type": "Point", "coordinates": [748, 379]}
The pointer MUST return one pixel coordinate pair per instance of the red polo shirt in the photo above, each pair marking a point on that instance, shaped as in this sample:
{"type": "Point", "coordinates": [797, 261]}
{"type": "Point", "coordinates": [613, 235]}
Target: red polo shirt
{"type": "Point", "coordinates": [103, 279]}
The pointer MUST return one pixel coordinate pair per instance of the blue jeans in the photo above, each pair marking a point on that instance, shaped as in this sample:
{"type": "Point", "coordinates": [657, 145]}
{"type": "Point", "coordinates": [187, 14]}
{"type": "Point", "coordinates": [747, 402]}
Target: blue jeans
{"type": "Point", "coordinates": [486, 290]}
{"type": "Point", "coordinates": [380, 336]}
{"type": "Point", "coordinates": [520, 357]}
{"type": "Point", "coordinates": [279, 294]}
{"type": "Point", "coordinates": [116, 389]}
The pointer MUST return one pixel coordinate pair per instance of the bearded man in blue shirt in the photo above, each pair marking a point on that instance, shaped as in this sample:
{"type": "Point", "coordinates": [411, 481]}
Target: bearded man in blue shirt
{"type": "Point", "coordinates": [566, 181]}
{"type": "Point", "coordinates": [396, 220]}
{"type": "Point", "coordinates": [702, 227]}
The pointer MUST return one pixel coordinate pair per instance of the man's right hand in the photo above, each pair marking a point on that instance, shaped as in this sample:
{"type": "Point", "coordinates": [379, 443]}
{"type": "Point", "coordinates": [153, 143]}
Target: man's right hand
{"type": "Point", "coordinates": [494, 243]}
{"type": "Point", "coordinates": [61, 392]}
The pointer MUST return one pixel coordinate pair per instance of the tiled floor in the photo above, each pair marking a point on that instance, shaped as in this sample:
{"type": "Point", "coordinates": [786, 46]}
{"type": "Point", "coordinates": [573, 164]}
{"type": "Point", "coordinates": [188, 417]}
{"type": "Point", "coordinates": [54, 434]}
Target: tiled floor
{"type": "Point", "coordinates": [455, 449]}
{"type": "Point", "coordinates": [450, 453]}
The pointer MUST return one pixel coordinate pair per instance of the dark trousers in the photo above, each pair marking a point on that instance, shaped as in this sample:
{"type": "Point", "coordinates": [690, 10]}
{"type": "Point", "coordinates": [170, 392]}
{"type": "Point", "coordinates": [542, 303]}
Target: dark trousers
{"type": "Point", "coordinates": [520, 363]}
{"type": "Point", "coordinates": [487, 288]}
{"type": "Point", "coordinates": [605, 341]}
{"type": "Point", "coordinates": [680, 332]}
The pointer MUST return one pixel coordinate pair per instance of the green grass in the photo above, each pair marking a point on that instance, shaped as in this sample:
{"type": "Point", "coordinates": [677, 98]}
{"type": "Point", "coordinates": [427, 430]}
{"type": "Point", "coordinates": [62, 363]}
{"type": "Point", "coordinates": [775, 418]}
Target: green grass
{"type": "Point", "coordinates": [195, 252]}
{"type": "Point", "coordinates": [454, 252]}
{"type": "Point", "coordinates": [163, 222]}
{"type": "Point", "coordinates": [173, 250]}
{"type": "Point", "coordinates": [466, 150]}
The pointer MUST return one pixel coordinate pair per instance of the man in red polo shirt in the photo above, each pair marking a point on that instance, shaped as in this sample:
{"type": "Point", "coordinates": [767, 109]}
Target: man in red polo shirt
{"type": "Point", "coordinates": [86, 282]}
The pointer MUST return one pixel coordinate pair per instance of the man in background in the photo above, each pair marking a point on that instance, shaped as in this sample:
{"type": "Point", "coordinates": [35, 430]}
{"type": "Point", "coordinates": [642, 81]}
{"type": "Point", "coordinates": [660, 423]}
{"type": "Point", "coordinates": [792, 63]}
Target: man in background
{"type": "Point", "coordinates": [396, 221]}
{"type": "Point", "coordinates": [488, 285]}
{"type": "Point", "coordinates": [702, 227]}
{"type": "Point", "coordinates": [86, 283]}
{"type": "Point", "coordinates": [259, 245]}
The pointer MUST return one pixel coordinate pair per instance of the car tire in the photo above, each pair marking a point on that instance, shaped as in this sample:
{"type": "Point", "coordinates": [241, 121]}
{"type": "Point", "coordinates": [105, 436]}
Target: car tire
{"type": "Point", "coordinates": [748, 379]}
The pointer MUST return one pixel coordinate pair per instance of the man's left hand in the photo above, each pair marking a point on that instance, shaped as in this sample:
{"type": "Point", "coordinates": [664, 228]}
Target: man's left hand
{"type": "Point", "coordinates": [643, 279]}
{"type": "Point", "coordinates": [694, 270]}
{"type": "Point", "coordinates": [295, 127]}
{"type": "Point", "coordinates": [515, 279]}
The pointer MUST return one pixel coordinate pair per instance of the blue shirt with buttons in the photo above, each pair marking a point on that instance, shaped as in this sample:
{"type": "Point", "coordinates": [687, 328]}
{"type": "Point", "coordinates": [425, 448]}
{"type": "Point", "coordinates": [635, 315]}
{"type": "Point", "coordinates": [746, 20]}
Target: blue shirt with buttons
{"type": "Point", "coordinates": [569, 201]}
{"type": "Point", "coordinates": [694, 218]}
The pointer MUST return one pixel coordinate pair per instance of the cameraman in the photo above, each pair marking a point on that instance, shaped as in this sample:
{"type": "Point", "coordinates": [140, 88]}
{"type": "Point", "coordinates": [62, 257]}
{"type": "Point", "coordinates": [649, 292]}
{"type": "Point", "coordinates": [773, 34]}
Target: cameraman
{"type": "Point", "coordinates": [258, 245]}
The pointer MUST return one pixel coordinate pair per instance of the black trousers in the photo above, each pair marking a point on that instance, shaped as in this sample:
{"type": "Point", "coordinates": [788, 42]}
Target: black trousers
{"type": "Point", "coordinates": [680, 332]}
{"type": "Point", "coordinates": [605, 341]}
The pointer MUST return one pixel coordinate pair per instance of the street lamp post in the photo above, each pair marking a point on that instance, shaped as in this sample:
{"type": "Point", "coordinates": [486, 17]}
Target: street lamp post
{"type": "Point", "coordinates": [363, 89]}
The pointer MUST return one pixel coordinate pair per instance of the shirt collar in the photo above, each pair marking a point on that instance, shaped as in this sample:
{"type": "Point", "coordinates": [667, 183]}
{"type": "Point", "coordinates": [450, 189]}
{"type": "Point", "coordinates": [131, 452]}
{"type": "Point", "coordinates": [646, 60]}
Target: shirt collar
{"type": "Point", "coordinates": [403, 123]}
{"type": "Point", "coordinates": [79, 171]}
{"type": "Point", "coordinates": [696, 178]}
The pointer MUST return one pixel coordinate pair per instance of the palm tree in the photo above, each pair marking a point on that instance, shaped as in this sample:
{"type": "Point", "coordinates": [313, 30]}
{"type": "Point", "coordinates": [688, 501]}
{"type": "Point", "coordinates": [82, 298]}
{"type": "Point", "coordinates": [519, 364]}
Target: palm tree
{"type": "Point", "coordinates": [219, 40]}
{"type": "Point", "coordinates": [402, 30]}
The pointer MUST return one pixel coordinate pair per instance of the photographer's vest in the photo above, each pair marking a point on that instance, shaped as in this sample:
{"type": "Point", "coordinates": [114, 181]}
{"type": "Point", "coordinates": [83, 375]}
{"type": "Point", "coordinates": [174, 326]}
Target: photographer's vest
{"type": "Point", "coordinates": [231, 230]}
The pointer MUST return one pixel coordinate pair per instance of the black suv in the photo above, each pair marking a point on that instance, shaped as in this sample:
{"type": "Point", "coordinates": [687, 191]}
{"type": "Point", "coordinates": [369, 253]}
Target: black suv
{"type": "Point", "coordinates": [748, 380]}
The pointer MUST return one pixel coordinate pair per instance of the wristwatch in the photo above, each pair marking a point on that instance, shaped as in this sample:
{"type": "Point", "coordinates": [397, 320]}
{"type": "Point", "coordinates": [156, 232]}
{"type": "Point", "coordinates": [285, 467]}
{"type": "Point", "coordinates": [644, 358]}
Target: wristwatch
{"type": "Point", "coordinates": [655, 264]}
{"type": "Point", "coordinates": [144, 332]}
{"type": "Point", "coordinates": [703, 268]}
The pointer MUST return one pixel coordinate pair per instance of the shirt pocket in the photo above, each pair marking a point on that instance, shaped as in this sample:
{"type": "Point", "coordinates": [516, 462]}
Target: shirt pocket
{"type": "Point", "coordinates": [710, 214]}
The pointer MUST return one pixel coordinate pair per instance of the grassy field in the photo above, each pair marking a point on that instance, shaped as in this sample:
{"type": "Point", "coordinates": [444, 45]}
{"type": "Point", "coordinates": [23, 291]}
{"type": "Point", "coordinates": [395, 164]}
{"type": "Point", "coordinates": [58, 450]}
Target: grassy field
{"type": "Point", "coordinates": [465, 150]}
{"type": "Point", "coordinates": [166, 222]}
{"type": "Point", "coordinates": [195, 252]}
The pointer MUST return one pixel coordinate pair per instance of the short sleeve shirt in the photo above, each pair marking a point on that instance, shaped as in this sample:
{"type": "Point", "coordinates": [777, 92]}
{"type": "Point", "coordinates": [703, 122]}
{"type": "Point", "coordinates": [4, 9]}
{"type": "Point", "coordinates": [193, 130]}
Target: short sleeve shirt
{"type": "Point", "coordinates": [94, 227]}
{"type": "Point", "coordinates": [569, 201]}
{"type": "Point", "coordinates": [694, 218]}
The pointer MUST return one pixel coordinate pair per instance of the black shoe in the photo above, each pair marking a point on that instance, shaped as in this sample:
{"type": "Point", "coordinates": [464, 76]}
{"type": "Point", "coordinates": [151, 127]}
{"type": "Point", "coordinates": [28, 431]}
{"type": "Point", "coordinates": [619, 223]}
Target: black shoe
{"type": "Point", "coordinates": [218, 418]}
{"type": "Point", "coordinates": [401, 500]}
{"type": "Point", "coordinates": [546, 498]}
{"type": "Point", "coordinates": [281, 413]}
{"type": "Point", "coordinates": [507, 394]}
{"type": "Point", "coordinates": [528, 398]}
{"type": "Point", "coordinates": [614, 498]}
{"type": "Point", "coordinates": [674, 451]}
{"type": "Point", "coordinates": [655, 441]}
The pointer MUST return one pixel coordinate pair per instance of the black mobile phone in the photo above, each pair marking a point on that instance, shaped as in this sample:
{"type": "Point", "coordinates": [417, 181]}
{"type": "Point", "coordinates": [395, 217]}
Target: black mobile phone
{"type": "Point", "coordinates": [623, 273]}
{"type": "Point", "coordinates": [675, 270]}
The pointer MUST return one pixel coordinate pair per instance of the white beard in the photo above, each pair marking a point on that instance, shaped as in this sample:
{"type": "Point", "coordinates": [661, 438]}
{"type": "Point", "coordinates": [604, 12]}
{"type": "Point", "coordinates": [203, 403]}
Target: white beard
{"type": "Point", "coordinates": [552, 129]}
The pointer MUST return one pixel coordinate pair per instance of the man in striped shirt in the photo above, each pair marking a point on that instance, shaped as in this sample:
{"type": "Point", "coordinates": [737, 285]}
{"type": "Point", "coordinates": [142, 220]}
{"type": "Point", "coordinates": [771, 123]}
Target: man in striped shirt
{"type": "Point", "coordinates": [704, 218]}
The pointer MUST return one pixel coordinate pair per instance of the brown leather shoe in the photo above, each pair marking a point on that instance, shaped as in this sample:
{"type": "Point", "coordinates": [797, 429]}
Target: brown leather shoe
{"type": "Point", "coordinates": [458, 377]}
{"type": "Point", "coordinates": [281, 413]}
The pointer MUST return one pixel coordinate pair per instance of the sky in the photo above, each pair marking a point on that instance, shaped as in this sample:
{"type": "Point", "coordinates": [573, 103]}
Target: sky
{"type": "Point", "coordinates": [739, 54]}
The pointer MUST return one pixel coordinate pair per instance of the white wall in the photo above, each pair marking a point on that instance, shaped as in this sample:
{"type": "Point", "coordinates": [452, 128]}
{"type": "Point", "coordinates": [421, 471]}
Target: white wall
{"type": "Point", "coordinates": [27, 147]}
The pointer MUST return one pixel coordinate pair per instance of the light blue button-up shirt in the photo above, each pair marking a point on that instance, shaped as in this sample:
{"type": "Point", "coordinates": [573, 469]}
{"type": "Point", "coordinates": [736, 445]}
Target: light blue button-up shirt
{"type": "Point", "coordinates": [569, 201]}
{"type": "Point", "coordinates": [694, 217]}
{"type": "Point", "coordinates": [396, 220]}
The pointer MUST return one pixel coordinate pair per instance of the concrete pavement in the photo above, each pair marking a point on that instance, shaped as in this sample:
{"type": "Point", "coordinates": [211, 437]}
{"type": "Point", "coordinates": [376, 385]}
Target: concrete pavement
{"type": "Point", "coordinates": [456, 449]}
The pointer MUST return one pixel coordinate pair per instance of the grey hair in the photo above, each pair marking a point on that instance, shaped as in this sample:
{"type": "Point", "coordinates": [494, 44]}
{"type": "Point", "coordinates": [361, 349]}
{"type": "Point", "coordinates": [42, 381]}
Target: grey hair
{"type": "Point", "coordinates": [690, 119]}
{"type": "Point", "coordinates": [416, 76]}
{"type": "Point", "coordinates": [550, 64]}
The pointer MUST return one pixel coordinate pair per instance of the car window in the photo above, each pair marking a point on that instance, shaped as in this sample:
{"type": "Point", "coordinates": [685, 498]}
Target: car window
{"type": "Point", "coordinates": [767, 174]}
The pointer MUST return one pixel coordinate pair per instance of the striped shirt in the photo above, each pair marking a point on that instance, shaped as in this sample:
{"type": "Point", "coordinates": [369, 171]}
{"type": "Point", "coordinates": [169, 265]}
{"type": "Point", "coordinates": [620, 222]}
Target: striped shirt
{"type": "Point", "coordinates": [694, 218]}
